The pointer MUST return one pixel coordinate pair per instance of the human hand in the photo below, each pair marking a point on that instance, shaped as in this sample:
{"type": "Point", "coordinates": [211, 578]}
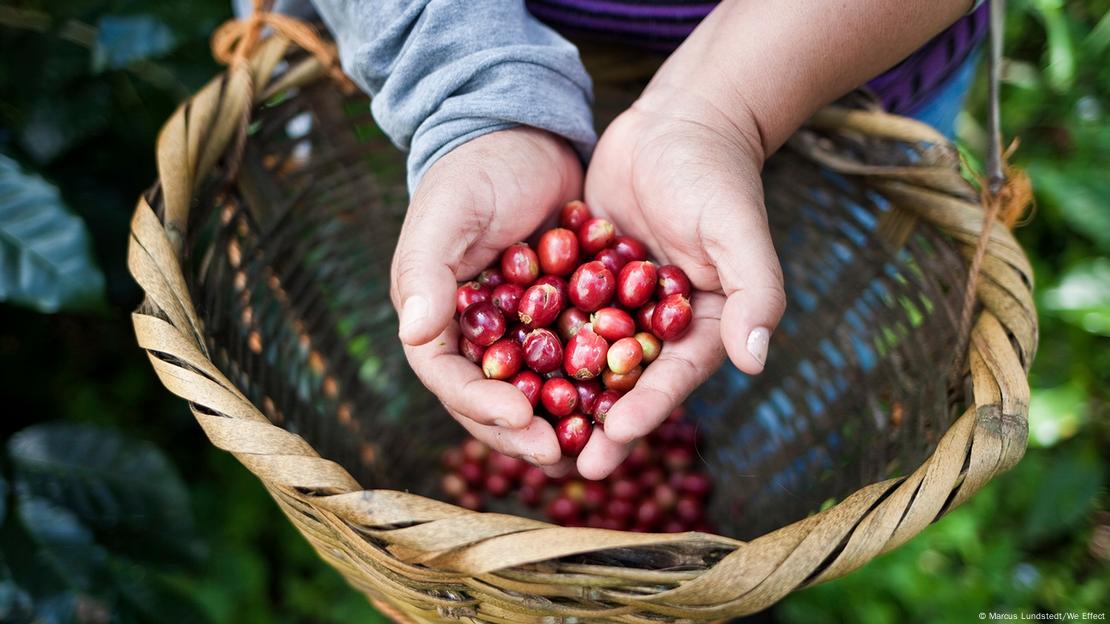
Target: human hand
{"type": "Point", "coordinates": [474, 202]}
{"type": "Point", "coordinates": [683, 177]}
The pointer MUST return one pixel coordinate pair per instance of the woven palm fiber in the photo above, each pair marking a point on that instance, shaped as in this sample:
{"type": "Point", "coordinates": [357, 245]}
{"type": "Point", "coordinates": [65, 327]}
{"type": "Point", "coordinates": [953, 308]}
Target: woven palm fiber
{"type": "Point", "coordinates": [265, 268]}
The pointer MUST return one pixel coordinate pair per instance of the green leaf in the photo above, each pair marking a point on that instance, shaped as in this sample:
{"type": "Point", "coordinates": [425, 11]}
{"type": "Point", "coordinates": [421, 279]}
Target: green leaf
{"type": "Point", "coordinates": [1066, 491]}
{"type": "Point", "coordinates": [66, 547]}
{"type": "Point", "coordinates": [3, 499]}
{"type": "Point", "coordinates": [124, 39]}
{"type": "Point", "coordinates": [46, 260]}
{"type": "Point", "coordinates": [56, 124]}
{"type": "Point", "coordinates": [1055, 413]}
{"type": "Point", "coordinates": [122, 488]}
{"type": "Point", "coordinates": [15, 603]}
{"type": "Point", "coordinates": [1079, 191]}
{"type": "Point", "coordinates": [1082, 296]}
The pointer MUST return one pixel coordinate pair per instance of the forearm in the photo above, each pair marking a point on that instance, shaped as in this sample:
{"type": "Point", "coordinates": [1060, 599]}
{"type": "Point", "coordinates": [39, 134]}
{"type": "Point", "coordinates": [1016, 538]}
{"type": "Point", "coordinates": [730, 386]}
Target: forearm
{"type": "Point", "coordinates": [778, 62]}
{"type": "Point", "coordinates": [443, 72]}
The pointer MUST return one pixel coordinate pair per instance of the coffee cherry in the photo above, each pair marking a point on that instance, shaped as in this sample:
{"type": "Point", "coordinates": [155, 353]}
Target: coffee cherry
{"type": "Point", "coordinates": [471, 351]}
{"type": "Point", "coordinates": [470, 500]}
{"type": "Point", "coordinates": [534, 477]}
{"type": "Point", "coordinates": [502, 359]}
{"type": "Point", "coordinates": [529, 383]}
{"type": "Point", "coordinates": [570, 321]}
{"type": "Point", "coordinates": [543, 352]}
{"type": "Point", "coordinates": [540, 305]}
{"type": "Point", "coordinates": [595, 235]}
{"type": "Point", "coordinates": [509, 467]}
{"type": "Point", "coordinates": [559, 397]}
{"type": "Point", "coordinates": [612, 324]}
{"type": "Point", "coordinates": [640, 456]}
{"type": "Point", "coordinates": [678, 458]}
{"type": "Point", "coordinates": [594, 495]}
{"type": "Point", "coordinates": [558, 283]}
{"type": "Point", "coordinates": [557, 251]}
{"type": "Point", "coordinates": [624, 355]}
{"type": "Point", "coordinates": [697, 484]}
{"type": "Point", "coordinates": [611, 259]}
{"type": "Point", "coordinates": [688, 509]}
{"type": "Point", "coordinates": [507, 299]}
{"type": "Point", "coordinates": [470, 293]}
{"type": "Point", "coordinates": [451, 458]}
{"type": "Point", "coordinates": [561, 509]}
{"type": "Point", "coordinates": [573, 432]}
{"type": "Point", "coordinates": [475, 450]}
{"type": "Point", "coordinates": [491, 277]}
{"type": "Point", "coordinates": [649, 479]}
{"type": "Point", "coordinates": [619, 509]}
{"type": "Point", "coordinates": [650, 346]}
{"type": "Point", "coordinates": [672, 526]}
{"type": "Point", "coordinates": [621, 383]}
{"type": "Point", "coordinates": [573, 215]}
{"type": "Point", "coordinates": [672, 281]}
{"type": "Point", "coordinates": [644, 315]}
{"type": "Point", "coordinates": [626, 489]}
{"type": "Point", "coordinates": [665, 496]}
{"type": "Point", "coordinates": [629, 248]}
{"type": "Point", "coordinates": [517, 333]}
{"type": "Point", "coordinates": [588, 389]}
{"type": "Point", "coordinates": [595, 520]}
{"type": "Point", "coordinates": [472, 472]}
{"type": "Point", "coordinates": [636, 283]}
{"type": "Point", "coordinates": [591, 286]}
{"type": "Point", "coordinates": [604, 403]}
{"type": "Point", "coordinates": [671, 317]}
{"type": "Point", "coordinates": [482, 323]}
{"type": "Point", "coordinates": [648, 514]}
{"type": "Point", "coordinates": [453, 485]}
{"type": "Point", "coordinates": [520, 265]}
{"type": "Point", "coordinates": [497, 485]}
{"type": "Point", "coordinates": [529, 495]}
{"type": "Point", "coordinates": [584, 356]}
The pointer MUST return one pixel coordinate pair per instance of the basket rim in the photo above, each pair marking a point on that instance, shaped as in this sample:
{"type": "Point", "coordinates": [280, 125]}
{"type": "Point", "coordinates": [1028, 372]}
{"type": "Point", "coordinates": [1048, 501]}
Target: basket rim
{"type": "Point", "coordinates": [497, 556]}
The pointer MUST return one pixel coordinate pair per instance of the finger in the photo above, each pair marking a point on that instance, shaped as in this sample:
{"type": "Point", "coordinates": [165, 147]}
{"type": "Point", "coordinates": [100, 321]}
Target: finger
{"type": "Point", "coordinates": [681, 367]}
{"type": "Point", "coordinates": [559, 469]}
{"type": "Point", "coordinates": [601, 456]}
{"type": "Point", "coordinates": [459, 384]}
{"type": "Point", "coordinates": [423, 271]}
{"type": "Point", "coordinates": [740, 246]}
{"type": "Point", "coordinates": [536, 443]}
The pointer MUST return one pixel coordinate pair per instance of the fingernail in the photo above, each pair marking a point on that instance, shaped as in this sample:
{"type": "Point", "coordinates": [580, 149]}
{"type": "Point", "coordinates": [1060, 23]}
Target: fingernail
{"type": "Point", "coordinates": [758, 341]}
{"type": "Point", "coordinates": [414, 310]}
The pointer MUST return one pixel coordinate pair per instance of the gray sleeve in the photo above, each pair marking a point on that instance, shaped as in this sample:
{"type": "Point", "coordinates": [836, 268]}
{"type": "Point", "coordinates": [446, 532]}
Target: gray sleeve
{"type": "Point", "coordinates": [443, 72]}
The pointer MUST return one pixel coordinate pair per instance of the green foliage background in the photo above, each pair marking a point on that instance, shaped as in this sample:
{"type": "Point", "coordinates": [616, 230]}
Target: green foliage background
{"type": "Point", "coordinates": [113, 507]}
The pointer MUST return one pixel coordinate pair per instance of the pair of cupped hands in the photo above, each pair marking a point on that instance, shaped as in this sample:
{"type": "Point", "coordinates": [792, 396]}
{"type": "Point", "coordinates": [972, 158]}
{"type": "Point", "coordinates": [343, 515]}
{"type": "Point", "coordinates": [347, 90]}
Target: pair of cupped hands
{"type": "Point", "coordinates": [674, 171]}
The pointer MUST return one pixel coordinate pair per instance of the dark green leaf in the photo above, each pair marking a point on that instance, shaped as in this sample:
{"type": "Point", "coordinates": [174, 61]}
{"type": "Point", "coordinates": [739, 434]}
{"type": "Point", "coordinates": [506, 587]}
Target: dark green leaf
{"type": "Point", "coordinates": [124, 39]}
{"type": "Point", "coordinates": [3, 499]}
{"type": "Point", "coordinates": [46, 258]}
{"type": "Point", "coordinates": [15, 603]}
{"type": "Point", "coordinates": [150, 598]}
{"type": "Point", "coordinates": [64, 546]}
{"type": "Point", "coordinates": [55, 124]}
{"type": "Point", "coordinates": [1067, 490]}
{"type": "Point", "coordinates": [122, 488]}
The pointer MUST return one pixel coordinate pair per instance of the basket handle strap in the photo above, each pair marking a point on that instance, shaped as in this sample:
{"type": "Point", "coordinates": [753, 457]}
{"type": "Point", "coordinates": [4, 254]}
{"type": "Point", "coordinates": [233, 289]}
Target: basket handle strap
{"type": "Point", "coordinates": [1005, 193]}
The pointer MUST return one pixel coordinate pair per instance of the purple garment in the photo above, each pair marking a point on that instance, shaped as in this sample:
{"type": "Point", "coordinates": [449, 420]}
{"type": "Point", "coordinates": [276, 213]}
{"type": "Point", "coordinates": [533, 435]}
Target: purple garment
{"type": "Point", "coordinates": [663, 24]}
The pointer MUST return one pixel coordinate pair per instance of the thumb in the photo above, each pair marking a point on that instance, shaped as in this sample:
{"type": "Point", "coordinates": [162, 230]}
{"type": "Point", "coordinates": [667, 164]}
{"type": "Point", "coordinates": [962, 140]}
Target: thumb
{"type": "Point", "coordinates": [739, 245]}
{"type": "Point", "coordinates": [423, 271]}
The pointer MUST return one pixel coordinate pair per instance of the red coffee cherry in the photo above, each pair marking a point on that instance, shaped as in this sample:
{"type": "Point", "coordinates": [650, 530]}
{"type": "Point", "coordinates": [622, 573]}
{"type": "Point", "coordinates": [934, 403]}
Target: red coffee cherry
{"type": "Point", "coordinates": [595, 235]}
{"type": "Point", "coordinates": [573, 215]}
{"type": "Point", "coordinates": [539, 306]}
{"type": "Point", "coordinates": [672, 281]}
{"type": "Point", "coordinates": [557, 251]}
{"type": "Point", "coordinates": [559, 397]}
{"type": "Point", "coordinates": [671, 317]}
{"type": "Point", "coordinates": [482, 323]}
{"type": "Point", "coordinates": [470, 293]}
{"type": "Point", "coordinates": [613, 324]}
{"type": "Point", "coordinates": [636, 283]}
{"type": "Point", "coordinates": [520, 265]}
{"type": "Point", "coordinates": [529, 384]}
{"type": "Point", "coordinates": [584, 356]}
{"type": "Point", "coordinates": [624, 355]}
{"type": "Point", "coordinates": [507, 299]}
{"type": "Point", "coordinates": [573, 432]}
{"type": "Point", "coordinates": [591, 286]}
{"type": "Point", "coordinates": [502, 359]}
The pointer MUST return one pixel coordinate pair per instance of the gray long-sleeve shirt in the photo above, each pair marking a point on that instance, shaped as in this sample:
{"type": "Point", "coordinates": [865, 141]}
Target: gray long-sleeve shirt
{"type": "Point", "coordinates": [443, 72]}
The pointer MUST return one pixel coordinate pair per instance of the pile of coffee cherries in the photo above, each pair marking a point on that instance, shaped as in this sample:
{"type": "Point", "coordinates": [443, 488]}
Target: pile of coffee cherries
{"type": "Point", "coordinates": [573, 321]}
{"type": "Point", "coordinates": [658, 488]}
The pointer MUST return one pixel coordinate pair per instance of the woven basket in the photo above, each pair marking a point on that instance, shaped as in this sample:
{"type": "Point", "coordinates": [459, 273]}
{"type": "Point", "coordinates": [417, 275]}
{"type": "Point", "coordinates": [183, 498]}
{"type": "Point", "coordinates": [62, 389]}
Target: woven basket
{"type": "Point", "coordinates": [265, 267]}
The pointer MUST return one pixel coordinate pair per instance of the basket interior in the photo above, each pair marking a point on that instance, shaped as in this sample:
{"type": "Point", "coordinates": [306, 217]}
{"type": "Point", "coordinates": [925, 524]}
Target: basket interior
{"type": "Point", "coordinates": [289, 271]}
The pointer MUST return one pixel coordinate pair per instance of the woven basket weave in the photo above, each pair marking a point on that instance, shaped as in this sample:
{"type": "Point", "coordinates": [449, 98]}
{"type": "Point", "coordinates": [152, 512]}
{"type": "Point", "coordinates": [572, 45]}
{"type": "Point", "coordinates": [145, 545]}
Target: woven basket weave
{"type": "Point", "coordinates": [264, 267]}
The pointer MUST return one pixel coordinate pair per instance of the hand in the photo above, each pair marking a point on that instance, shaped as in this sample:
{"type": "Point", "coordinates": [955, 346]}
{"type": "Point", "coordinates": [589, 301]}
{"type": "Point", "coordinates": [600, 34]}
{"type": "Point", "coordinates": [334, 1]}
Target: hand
{"type": "Point", "coordinates": [474, 202]}
{"type": "Point", "coordinates": [684, 178]}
